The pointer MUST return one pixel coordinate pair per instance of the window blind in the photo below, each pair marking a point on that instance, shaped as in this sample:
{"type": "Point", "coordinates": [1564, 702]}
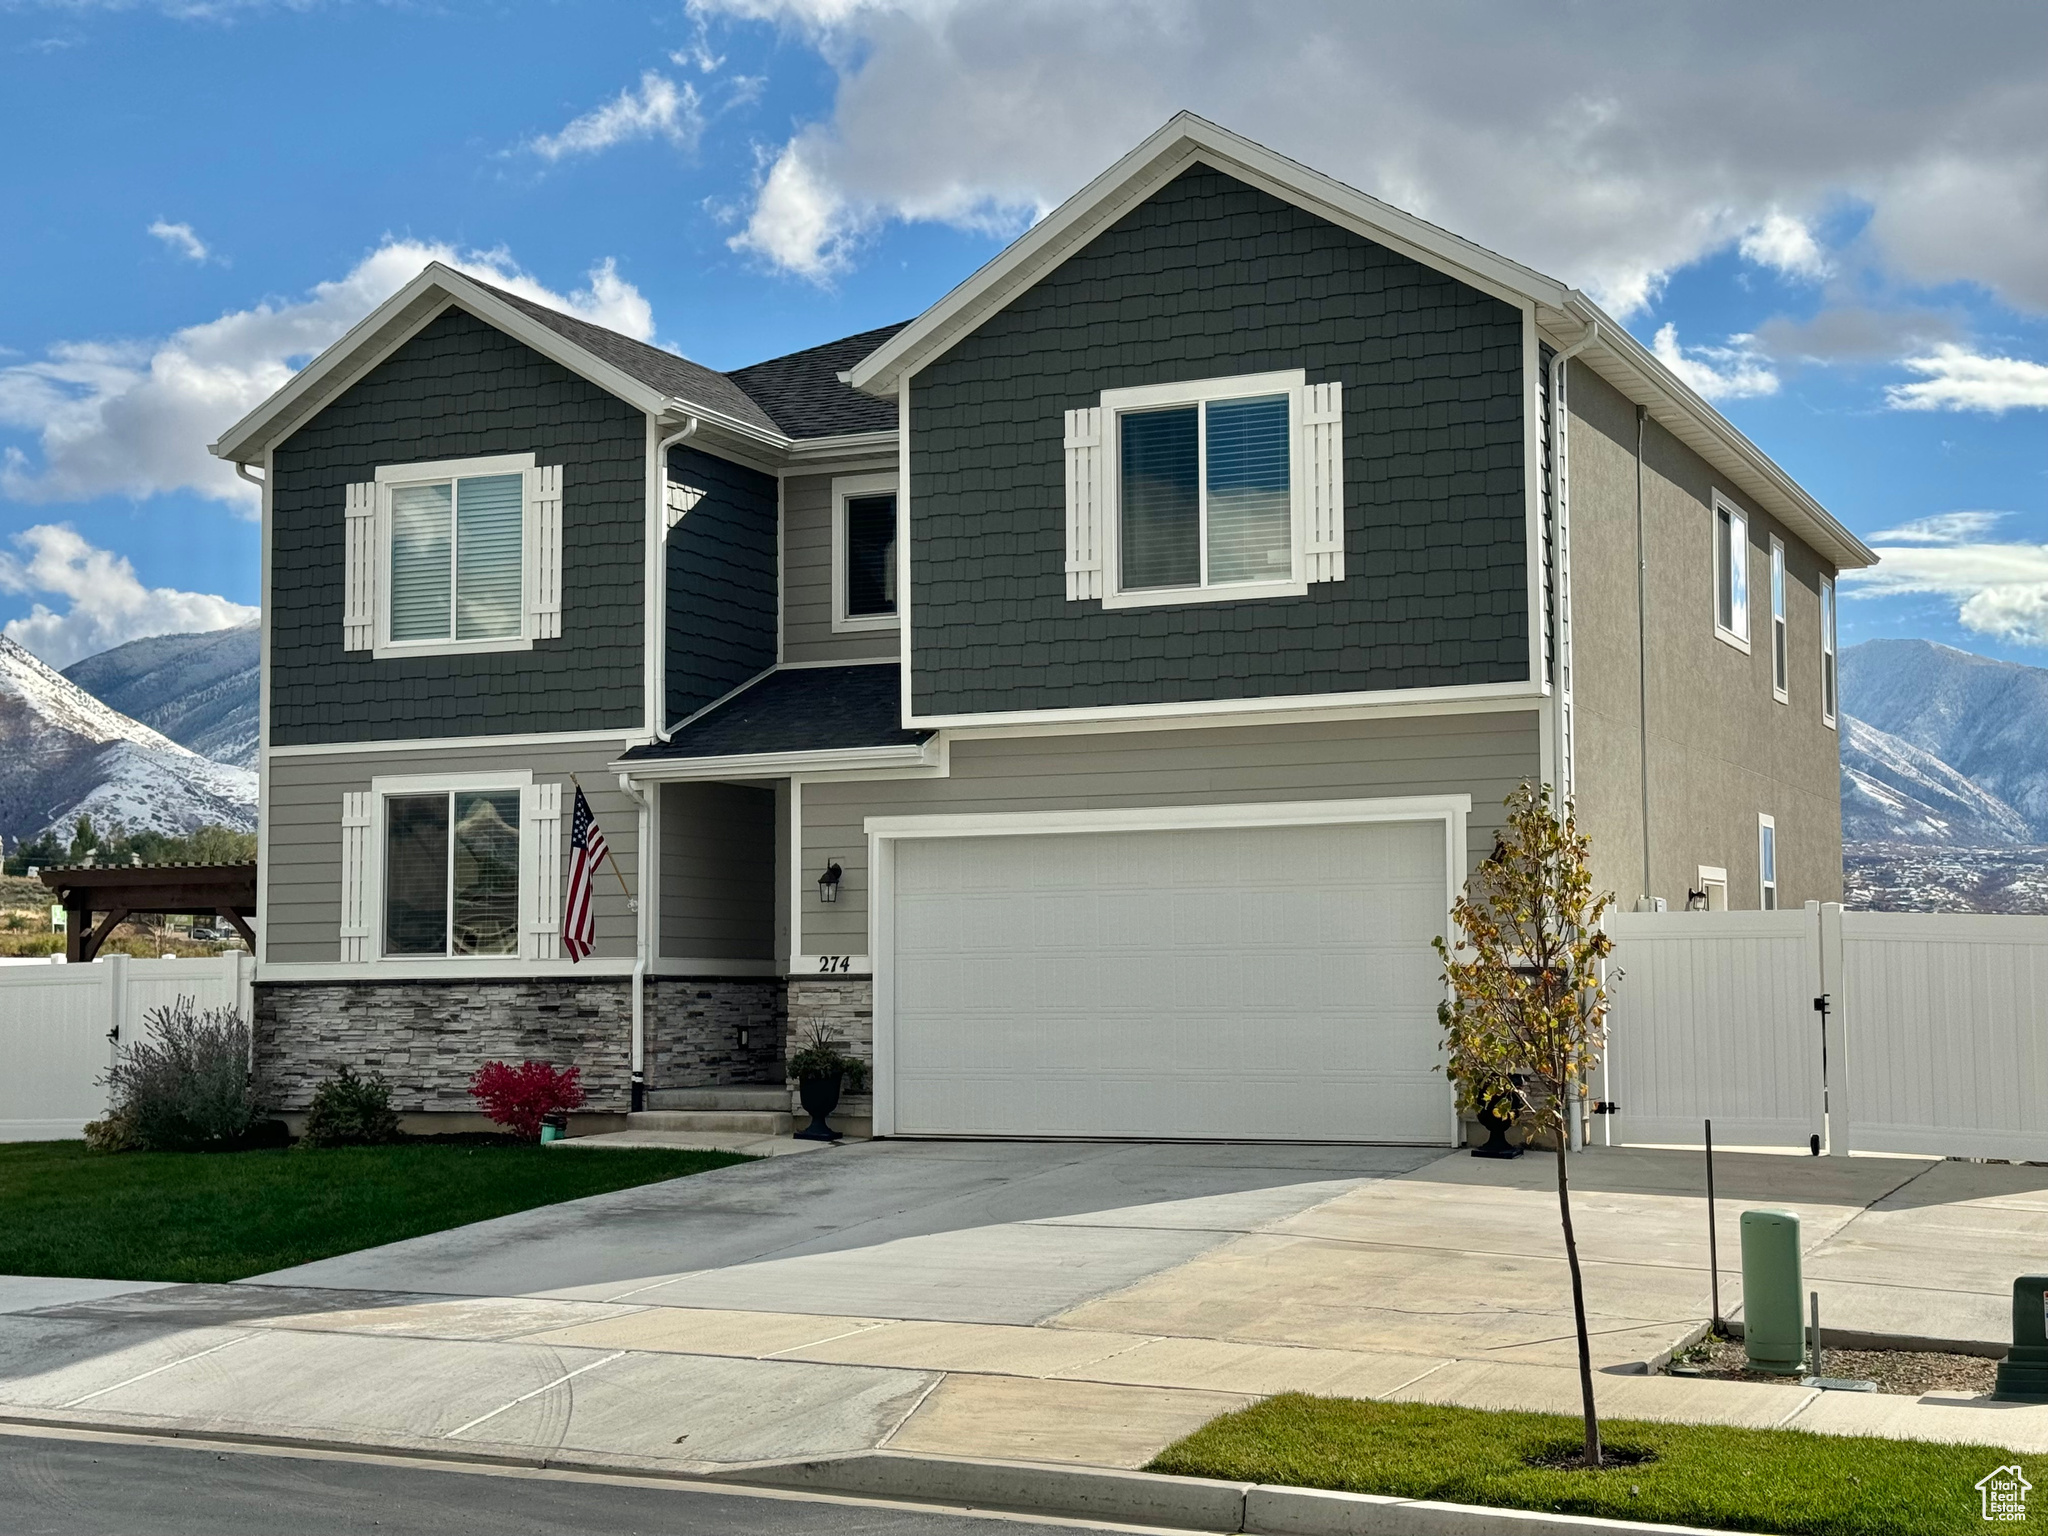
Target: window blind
{"type": "Point", "coordinates": [1160, 530]}
{"type": "Point", "coordinates": [422, 541]}
{"type": "Point", "coordinates": [489, 510]}
{"type": "Point", "coordinates": [1251, 518]}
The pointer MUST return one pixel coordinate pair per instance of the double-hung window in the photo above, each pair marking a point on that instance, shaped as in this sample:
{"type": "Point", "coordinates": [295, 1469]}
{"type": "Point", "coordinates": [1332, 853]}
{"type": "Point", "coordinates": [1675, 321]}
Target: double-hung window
{"type": "Point", "coordinates": [1731, 574]}
{"type": "Point", "coordinates": [457, 556]}
{"type": "Point", "coordinates": [1767, 862]}
{"type": "Point", "coordinates": [1781, 656]}
{"type": "Point", "coordinates": [1827, 651]}
{"type": "Point", "coordinates": [864, 552]}
{"type": "Point", "coordinates": [1210, 490]}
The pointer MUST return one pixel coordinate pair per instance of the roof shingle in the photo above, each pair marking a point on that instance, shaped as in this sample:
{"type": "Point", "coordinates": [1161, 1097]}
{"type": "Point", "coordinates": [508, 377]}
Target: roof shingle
{"type": "Point", "coordinates": [798, 709]}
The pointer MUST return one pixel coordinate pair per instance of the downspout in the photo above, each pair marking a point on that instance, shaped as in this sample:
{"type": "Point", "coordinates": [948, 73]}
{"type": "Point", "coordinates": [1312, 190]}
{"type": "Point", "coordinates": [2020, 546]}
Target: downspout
{"type": "Point", "coordinates": [1643, 658]}
{"type": "Point", "coordinates": [1560, 498]}
{"type": "Point", "coordinates": [641, 907]}
{"type": "Point", "coordinates": [690, 424]}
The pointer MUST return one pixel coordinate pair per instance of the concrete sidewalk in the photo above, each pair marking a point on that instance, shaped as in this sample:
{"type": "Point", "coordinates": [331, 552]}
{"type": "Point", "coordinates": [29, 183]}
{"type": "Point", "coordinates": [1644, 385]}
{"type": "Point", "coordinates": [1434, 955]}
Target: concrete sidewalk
{"type": "Point", "coordinates": [1051, 1302]}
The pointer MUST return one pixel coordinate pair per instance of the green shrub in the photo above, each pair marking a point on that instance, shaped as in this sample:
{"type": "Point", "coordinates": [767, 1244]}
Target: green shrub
{"type": "Point", "coordinates": [351, 1111]}
{"type": "Point", "coordinates": [116, 1133]}
{"type": "Point", "coordinates": [187, 1084]}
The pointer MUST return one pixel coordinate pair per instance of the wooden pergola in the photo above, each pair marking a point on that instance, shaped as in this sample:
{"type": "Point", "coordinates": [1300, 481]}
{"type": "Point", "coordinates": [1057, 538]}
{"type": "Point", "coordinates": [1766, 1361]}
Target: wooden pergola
{"type": "Point", "coordinates": [118, 891]}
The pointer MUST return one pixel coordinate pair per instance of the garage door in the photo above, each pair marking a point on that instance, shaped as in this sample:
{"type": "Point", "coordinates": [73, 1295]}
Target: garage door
{"type": "Point", "coordinates": [1244, 982]}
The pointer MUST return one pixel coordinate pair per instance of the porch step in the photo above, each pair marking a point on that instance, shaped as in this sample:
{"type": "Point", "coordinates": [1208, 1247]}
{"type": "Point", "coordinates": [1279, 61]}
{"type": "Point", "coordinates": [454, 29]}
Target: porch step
{"type": "Point", "coordinates": [723, 1122]}
{"type": "Point", "coordinates": [772, 1097]}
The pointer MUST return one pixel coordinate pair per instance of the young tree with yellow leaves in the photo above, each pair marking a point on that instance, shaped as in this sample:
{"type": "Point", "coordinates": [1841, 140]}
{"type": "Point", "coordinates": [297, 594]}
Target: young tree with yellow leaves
{"type": "Point", "coordinates": [1527, 1012]}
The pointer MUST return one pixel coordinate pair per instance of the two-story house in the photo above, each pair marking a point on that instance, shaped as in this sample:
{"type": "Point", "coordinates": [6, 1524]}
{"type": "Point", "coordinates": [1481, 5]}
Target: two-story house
{"type": "Point", "coordinates": [1087, 697]}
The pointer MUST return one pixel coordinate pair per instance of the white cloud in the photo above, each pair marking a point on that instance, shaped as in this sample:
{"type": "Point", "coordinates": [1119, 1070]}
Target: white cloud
{"type": "Point", "coordinates": [659, 109]}
{"type": "Point", "coordinates": [108, 605]}
{"type": "Point", "coordinates": [1662, 133]}
{"type": "Point", "coordinates": [1942, 528]}
{"type": "Point", "coordinates": [2001, 589]}
{"type": "Point", "coordinates": [1958, 379]}
{"type": "Point", "coordinates": [179, 238]}
{"type": "Point", "coordinates": [1786, 244]}
{"type": "Point", "coordinates": [1734, 372]}
{"type": "Point", "coordinates": [133, 418]}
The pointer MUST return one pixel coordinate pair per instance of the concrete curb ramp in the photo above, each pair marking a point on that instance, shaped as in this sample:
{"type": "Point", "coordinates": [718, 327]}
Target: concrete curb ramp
{"type": "Point", "coordinates": [1146, 1498]}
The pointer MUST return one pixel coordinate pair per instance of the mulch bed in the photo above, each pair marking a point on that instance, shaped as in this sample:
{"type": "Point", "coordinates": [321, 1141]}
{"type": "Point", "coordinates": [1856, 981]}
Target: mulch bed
{"type": "Point", "coordinates": [1902, 1373]}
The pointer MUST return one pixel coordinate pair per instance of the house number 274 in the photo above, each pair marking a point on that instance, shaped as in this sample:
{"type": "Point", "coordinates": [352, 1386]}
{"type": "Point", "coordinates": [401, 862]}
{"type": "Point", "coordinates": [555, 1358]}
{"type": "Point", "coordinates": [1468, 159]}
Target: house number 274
{"type": "Point", "coordinates": [835, 962]}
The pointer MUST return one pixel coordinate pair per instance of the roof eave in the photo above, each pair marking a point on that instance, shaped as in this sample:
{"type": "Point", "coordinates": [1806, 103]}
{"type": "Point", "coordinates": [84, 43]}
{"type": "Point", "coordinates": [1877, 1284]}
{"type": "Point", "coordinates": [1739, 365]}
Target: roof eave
{"type": "Point", "coordinates": [919, 754]}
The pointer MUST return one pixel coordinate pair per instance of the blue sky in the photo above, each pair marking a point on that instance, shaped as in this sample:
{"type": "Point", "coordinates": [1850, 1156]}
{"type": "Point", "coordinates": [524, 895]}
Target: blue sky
{"type": "Point", "coordinates": [201, 194]}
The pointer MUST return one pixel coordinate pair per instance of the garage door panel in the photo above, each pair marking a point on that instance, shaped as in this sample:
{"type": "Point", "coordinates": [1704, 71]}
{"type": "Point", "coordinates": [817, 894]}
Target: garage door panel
{"type": "Point", "coordinates": [1263, 982]}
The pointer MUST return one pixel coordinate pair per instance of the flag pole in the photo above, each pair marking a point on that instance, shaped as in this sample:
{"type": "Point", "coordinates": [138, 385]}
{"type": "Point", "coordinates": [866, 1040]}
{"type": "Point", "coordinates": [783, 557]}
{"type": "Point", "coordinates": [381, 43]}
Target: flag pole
{"type": "Point", "coordinates": [609, 857]}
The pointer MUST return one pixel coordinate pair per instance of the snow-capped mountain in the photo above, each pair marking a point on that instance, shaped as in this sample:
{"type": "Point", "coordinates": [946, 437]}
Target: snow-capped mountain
{"type": "Point", "coordinates": [1986, 719]}
{"type": "Point", "coordinates": [1892, 792]}
{"type": "Point", "coordinates": [63, 752]}
{"type": "Point", "coordinates": [199, 690]}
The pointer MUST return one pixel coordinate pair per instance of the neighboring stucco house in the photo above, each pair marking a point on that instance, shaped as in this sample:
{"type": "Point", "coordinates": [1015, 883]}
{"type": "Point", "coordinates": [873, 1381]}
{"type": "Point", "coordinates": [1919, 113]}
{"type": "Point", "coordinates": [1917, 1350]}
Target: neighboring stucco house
{"type": "Point", "coordinates": [1086, 697]}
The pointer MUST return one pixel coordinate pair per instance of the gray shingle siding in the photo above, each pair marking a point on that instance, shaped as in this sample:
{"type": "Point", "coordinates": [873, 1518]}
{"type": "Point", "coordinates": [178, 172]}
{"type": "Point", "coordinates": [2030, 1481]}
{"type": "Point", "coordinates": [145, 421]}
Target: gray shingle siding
{"type": "Point", "coordinates": [1211, 278]}
{"type": "Point", "coordinates": [721, 582]}
{"type": "Point", "coordinates": [461, 389]}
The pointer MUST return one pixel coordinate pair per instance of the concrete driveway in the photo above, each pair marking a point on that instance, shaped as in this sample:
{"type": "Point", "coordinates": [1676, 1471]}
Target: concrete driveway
{"type": "Point", "coordinates": [1077, 1302]}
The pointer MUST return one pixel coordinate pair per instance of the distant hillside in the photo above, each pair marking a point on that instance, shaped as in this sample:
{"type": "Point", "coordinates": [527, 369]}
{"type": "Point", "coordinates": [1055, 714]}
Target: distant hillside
{"type": "Point", "coordinates": [63, 753]}
{"type": "Point", "coordinates": [199, 690]}
{"type": "Point", "coordinates": [1892, 792]}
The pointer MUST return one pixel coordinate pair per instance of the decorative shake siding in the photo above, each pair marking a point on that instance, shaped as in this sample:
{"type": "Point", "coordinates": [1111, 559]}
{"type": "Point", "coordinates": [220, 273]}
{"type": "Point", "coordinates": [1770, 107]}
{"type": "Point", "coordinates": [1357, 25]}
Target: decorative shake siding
{"type": "Point", "coordinates": [721, 581]}
{"type": "Point", "coordinates": [461, 389]}
{"type": "Point", "coordinates": [1211, 278]}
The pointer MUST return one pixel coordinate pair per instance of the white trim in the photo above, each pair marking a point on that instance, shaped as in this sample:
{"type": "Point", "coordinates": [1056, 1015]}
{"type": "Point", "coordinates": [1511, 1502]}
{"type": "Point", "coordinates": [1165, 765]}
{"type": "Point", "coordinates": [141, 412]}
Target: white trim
{"type": "Point", "coordinates": [1476, 694]}
{"type": "Point", "coordinates": [802, 450]}
{"type": "Point", "coordinates": [1781, 627]}
{"type": "Point", "coordinates": [429, 968]}
{"type": "Point", "coordinates": [797, 885]}
{"type": "Point", "coordinates": [389, 478]}
{"type": "Point", "coordinates": [1713, 877]}
{"type": "Point", "coordinates": [884, 832]}
{"type": "Point", "coordinates": [1767, 886]}
{"type": "Point", "coordinates": [781, 567]}
{"type": "Point", "coordinates": [867, 464]}
{"type": "Point", "coordinates": [673, 966]}
{"type": "Point", "coordinates": [1198, 393]}
{"type": "Point", "coordinates": [456, 743]}
{"type": "Point", "coordinates": [654, 584]}
{"type": "Point", "coordinates": [1735, 549]}
{"type": "Point", "coordinates": [494, 781]}
{"type": "Point", "coordinates": [1521, 704]}
{"type": "Point", "coordinates": [839, 661]}
{"type": "Point", "coordinates": [845, 488]}
{"type": "Point", "coordinates": [1533, 604]}
{"type": "Point", "coordinates": [1830, 652]}
{"type": "Point", "coordinates": [264, 750]}
{"type": "Point", "coordinates": [815, 967]}
{"type": "Point", "coordinates": [905, 596]}
{"type": "Point", "coordinates": [656, 770]}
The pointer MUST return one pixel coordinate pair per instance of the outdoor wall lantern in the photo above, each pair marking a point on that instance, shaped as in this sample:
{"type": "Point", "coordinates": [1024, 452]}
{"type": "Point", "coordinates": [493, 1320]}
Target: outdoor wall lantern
{"type": "Point", "coordinates": [828, 883]}
{"type": "Point", "coordinates": [1695, 901]}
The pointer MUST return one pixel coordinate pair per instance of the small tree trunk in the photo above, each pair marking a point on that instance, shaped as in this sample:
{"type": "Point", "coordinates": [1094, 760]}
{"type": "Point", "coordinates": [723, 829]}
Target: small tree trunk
{"type": "Point", "coordinates": [1571, 1253]}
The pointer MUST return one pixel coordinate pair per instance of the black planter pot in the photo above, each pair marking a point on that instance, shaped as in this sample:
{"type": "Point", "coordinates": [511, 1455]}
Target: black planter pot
{"type": "Point", "coordinates": [1497, 1143]}
{"type": "Point", "coordinates": [820, 1096]}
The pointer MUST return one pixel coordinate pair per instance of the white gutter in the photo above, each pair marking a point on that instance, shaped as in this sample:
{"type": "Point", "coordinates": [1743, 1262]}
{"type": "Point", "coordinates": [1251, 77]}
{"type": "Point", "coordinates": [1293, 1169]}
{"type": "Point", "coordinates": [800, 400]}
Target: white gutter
{"type": "Point", "coordinates": [648, 860]}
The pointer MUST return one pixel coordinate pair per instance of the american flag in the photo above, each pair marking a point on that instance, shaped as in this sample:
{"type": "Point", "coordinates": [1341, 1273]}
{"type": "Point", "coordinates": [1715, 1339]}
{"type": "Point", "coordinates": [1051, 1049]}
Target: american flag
{"type": "Point", "coordinates": [587, 850]}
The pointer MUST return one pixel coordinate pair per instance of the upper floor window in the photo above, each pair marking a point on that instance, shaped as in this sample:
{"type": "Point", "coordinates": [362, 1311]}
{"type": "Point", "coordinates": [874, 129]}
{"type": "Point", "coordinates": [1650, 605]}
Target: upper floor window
{"type": "Point", "coordinates": [864, 552]}
{"type": "Point", "coordinates": [1731, 575]}
{"type": "Point", "coordinates": [1205, 491]}
{"type": "Point", "coordinates": [1827, 650]}
{"type": "Point", "coordinates": [463, 555]}
{"type": "Point", "coordinates": [1780, 655]}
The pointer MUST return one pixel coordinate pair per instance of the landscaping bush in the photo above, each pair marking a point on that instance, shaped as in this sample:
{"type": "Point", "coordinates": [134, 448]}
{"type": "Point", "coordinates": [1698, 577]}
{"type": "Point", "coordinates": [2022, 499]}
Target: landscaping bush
{"type": "Point", "coordinates": [116, 1133]}
{"type": "Point", "coordinates": [186, 1084]}
{"type": "Point", "coordinates": [351, 1111]}
{"type": "Point", "coordinates": [520, 1097]}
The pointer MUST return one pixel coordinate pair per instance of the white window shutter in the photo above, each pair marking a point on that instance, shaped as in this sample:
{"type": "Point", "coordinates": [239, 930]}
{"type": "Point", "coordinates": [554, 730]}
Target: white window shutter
{"type": "Point", "coordinates": [544, 611]}
{"type": "Point", "coordinates": [1322, 457]}
{"type": "Point", "coordinates": [543, 868]}
{"type": "Point", "coordinates": [355, 874]}
{"type": "Point", "coordinates": [359, 600]}
{"type": "Point", "coordinates": [1086, 462]}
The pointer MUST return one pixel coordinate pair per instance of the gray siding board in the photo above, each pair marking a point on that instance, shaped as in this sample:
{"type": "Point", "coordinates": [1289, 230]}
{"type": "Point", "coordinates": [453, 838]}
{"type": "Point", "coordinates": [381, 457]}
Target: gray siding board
{"type": "Point", "coordinates": [717, 872]}
{"type": "Point", "coordinates": [1484, 755]}
{"type": "Point", "coordinates": [807, 633]}
{"type": "Point", "coordinates": [461, 389]}
{"type": "Point", "coordinates": [303, 875]}
{"type": "Point", "coordinates": [1213, 278]}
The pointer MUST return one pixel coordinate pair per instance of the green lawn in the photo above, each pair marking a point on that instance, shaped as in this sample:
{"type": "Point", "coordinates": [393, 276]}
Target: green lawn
{"type": "Point", "coordinates": [224, 1215]}
{"type": "Point", "coordinates": [1703, 1475]}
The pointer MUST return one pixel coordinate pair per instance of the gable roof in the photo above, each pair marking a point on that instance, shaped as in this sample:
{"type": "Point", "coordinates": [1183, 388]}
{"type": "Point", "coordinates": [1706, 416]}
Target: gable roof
{"type": "Point", "coordinates": [779, 404]}
{"type": "Point", "coordinates": [1572, 319]}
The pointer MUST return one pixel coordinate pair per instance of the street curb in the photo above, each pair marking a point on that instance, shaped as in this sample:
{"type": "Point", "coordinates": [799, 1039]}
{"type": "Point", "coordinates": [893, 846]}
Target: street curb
{"type": "Point", "coordinates": [1857, 1338]}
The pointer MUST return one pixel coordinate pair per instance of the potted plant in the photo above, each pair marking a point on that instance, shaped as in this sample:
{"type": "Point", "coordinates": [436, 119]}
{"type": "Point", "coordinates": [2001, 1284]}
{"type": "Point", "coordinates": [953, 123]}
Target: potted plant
{"type": "Point", "coordinates": [1496, 1104]}
{"type": "Point", "coordinates": [821, 1067]}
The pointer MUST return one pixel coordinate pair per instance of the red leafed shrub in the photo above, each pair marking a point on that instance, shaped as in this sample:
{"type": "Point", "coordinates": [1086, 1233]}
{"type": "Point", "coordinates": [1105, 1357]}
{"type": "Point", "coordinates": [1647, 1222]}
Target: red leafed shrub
{"type": "Point", "coordinates": [520, 1097]}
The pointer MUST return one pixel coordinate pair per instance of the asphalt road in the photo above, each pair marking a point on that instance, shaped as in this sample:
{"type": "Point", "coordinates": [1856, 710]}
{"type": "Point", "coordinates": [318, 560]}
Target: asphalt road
{"type": "Point", "coordinates": [64, 1486]}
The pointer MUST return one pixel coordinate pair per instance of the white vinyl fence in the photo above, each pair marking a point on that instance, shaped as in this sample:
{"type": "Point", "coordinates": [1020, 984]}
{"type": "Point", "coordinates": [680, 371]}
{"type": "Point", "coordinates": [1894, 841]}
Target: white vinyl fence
{"type": "Point", "coordinates": [60, 1025]}
{"type": "Point", "coordinates": [1934, 1039]}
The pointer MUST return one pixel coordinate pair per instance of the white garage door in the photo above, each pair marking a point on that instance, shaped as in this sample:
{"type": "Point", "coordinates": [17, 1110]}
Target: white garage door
{"type": "Point", "coordinates": [1241, 982]}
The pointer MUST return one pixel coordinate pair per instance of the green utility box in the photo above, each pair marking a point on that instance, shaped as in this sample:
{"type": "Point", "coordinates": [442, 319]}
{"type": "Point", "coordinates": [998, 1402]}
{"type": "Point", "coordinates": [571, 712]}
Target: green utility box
{"type": "Point", "coordinates": [1774, 1332]}
{"type": "Point", "coordinates": [2023, 1374]}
